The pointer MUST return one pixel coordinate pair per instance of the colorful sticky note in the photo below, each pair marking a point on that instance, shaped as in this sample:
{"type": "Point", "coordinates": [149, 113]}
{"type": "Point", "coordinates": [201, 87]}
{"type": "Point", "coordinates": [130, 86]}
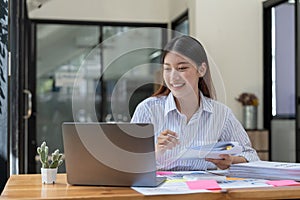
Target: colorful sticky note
{"type": "Point", "coordinates": [176, 180]}
{"type": "Point", "coordinates": [203, 185]}
{"type": "Point", "coordinates": [234, 179]}
{"type": "Point", "coordinates": [277, 183]}
{"type": "Point", "coordinates": [163, 173]}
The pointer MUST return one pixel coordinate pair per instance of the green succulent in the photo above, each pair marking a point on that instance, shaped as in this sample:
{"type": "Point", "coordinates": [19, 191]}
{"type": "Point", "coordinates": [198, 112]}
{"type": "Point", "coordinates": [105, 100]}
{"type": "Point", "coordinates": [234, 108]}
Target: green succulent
{"type": "Point", "coordinates": [56, 157]}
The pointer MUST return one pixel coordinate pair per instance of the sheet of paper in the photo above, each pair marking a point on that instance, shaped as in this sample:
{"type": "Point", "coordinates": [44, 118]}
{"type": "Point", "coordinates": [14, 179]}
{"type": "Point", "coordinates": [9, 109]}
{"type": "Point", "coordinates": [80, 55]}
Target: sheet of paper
{"type": "Point", "coordinates": [204, 176]}
{"type": "Point", "coordinates": [169, 187]}
{"type": "Point", "coordinates": [245, 183]}
{"type": "Point", "coordinates": [178, 174]}
{"type": "Point", "coordinates": [277, 183]}
{"type": "Point", "coordinates": [203, 184]}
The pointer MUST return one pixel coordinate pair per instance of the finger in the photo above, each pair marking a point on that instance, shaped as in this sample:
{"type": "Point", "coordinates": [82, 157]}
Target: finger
{"type": "Point", "coordinates": [171, 144]}
{"type": "Point", "coordinates": [219, 164]}
{"type": "Point", "coordinates": [218, 161]}
{"type": "Point", "coordinates": [169, 133]}
{"type": "Point", "coordinates": [164, 133]}
{"type": "Point", "coordinates": [225, 156]}
{"type": "Point", "coordinates": [223, 166]}
{"type": "Point", "coordinates": [173, 140]}
{"type": "Point", "coordinates": [162, 140]}
{"type": "Point", "coordinates": [164, 143]}
{"type": "Point", "coordinates": [166, 140]}
{"type": "Point", "coordinates": [161, 148]}
{"type": "Point", "coordinates": [215, 161]}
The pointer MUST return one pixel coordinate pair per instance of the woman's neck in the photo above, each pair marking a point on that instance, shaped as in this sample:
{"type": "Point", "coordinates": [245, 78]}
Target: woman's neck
{"type": "Point", "coordinates": [188, 105]}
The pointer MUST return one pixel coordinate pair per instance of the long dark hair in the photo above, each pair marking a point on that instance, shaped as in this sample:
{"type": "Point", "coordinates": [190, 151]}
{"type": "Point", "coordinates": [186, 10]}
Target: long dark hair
{"type": "Point", "coordinates": [193, 49]}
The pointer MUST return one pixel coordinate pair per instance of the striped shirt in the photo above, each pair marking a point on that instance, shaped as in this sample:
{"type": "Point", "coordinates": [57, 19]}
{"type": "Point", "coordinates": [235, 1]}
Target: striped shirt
{"type": "Point", "coordinates": [211, 123]}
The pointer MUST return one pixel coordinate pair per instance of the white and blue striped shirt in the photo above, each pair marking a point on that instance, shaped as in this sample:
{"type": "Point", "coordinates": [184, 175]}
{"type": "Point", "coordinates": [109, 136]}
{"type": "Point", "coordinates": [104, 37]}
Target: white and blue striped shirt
{"type": "Point", "coordinates": [211, 123]}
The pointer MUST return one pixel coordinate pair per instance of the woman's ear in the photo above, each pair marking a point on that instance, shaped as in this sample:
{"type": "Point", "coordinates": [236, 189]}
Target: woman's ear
{"type": "Point", "coordinates": [202, 69]}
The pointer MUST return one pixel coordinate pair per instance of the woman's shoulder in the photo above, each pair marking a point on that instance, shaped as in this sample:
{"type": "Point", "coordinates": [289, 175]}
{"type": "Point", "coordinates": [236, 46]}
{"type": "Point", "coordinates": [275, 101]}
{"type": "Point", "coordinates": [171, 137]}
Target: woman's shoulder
{"type": "Point", "coordinates": [217, 104]}
{"type": "Point", "coordinates": [153, 100]}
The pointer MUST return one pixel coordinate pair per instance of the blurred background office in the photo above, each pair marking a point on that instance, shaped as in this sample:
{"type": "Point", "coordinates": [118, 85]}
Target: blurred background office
{"type": "Point", "coordinates": [44, 43]}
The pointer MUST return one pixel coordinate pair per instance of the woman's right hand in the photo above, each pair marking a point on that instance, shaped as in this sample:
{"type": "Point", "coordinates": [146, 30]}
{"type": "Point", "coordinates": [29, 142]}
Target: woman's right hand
{"type": "Point", "coordinates": [166, 140]}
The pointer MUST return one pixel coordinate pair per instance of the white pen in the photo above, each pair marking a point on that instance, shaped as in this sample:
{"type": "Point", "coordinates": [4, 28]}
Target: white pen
{"type": "Point", "coordinates": [177, 138]}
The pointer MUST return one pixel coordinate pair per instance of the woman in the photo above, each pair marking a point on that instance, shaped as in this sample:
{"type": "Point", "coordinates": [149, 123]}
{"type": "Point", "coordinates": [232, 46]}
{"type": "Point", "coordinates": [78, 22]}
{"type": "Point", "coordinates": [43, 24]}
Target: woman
{"type": "Point", "coordinates": [185, 114]}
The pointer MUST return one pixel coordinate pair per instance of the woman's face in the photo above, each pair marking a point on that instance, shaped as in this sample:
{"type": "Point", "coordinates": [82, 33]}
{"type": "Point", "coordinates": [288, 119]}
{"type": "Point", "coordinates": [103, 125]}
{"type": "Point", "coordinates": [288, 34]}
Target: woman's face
{"type": "Point", "coordinates": [180, 75]}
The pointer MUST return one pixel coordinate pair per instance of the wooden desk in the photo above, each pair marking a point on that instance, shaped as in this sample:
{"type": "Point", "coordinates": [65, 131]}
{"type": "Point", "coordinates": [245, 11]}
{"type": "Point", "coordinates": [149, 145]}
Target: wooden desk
{"type": "Point", "coordinates": [30, 187]}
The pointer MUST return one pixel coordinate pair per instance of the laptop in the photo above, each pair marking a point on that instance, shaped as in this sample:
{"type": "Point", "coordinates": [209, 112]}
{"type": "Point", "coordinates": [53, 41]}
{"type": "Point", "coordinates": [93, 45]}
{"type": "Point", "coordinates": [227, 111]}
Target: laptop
{"type": "Point", "coordinates": [110, 154]}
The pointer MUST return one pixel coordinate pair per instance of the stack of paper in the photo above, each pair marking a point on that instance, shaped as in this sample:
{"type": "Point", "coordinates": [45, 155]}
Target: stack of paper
{"type": "Point", "coordinates": [266, 170]}
{"type": "Point", "coordinates": [212, 150]}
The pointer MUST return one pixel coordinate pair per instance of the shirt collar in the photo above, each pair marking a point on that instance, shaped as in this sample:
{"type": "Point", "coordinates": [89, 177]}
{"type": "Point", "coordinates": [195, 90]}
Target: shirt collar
{"type": "Point", "coordinates": [170, 104]}
{"type": "Point", "coordinates": [206, 103]}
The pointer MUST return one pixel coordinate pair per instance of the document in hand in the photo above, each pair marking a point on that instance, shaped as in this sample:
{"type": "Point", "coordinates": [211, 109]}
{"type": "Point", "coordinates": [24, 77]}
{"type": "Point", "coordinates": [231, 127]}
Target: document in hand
{"type": "Point", "coordinates": [266, 170]}
{"type": "Point", "coordinates": [212, 150]}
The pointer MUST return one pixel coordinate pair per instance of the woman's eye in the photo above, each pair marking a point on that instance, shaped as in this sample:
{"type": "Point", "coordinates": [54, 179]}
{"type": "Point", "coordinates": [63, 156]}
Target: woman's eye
{"type": "Point", "coordinates": [167, 68]}
{"type": "Point", "coordinates": [182, 68]}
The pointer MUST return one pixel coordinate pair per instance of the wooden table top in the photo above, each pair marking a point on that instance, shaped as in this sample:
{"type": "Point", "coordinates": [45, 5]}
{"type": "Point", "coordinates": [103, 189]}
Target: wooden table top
{"type": "Point", "coordinates": [29, 186]}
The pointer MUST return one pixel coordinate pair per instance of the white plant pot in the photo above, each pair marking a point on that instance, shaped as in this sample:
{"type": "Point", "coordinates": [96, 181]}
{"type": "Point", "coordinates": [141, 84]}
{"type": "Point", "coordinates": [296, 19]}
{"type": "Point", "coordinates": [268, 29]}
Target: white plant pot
{"type": "Point", "coordinates": [48, 175]}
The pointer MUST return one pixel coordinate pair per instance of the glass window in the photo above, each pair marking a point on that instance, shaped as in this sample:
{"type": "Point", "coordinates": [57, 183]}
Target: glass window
{"type": "Point", "coordinates": [83, 71]}
{"type": "Point", "coordinates": [181, 25]}
{"type": "Point", "coordinates": [283, 61]}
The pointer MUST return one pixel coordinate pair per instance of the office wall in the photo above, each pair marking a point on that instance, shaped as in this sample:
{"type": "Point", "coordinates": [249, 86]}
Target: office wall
{"type": "Point", "coordinates": [231, 32]}
{"type": "Point", "coordinates": [178, 7]}
{"type": "Point", "coordinates": [151, 11]}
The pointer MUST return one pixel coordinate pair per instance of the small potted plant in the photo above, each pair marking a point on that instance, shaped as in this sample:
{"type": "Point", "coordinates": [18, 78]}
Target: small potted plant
{"type": "Point", "coordinates": [49, 167]}
{"type": "Point", "coordinates": [248, 99]}
{"type": "Point", "coordinates": [250, 103]}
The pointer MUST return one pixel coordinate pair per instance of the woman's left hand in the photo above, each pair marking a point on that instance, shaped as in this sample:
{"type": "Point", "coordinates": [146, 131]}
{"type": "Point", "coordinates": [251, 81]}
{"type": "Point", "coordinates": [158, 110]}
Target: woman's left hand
{"type": "Point", "coordinates": [226, 160]}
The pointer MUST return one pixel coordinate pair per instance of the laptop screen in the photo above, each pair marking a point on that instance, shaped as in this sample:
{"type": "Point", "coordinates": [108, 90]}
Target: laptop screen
{"type": "Point", "coordinates": [110, 154]}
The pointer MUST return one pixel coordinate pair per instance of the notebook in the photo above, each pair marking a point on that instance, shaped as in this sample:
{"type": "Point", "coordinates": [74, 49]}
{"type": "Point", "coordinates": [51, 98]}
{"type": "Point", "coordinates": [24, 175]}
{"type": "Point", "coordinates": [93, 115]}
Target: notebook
{"type": "Point", "coordinates": [110, 154]}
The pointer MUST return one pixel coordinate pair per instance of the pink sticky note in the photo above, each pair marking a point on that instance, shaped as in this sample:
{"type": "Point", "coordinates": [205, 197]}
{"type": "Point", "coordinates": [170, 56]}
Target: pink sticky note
{"type": "Point", "coordinates": [203, 184]}
{"type": "Point", "coordinates": [283, 183]}
{"type": "Point", "coordinates": [163, 173]}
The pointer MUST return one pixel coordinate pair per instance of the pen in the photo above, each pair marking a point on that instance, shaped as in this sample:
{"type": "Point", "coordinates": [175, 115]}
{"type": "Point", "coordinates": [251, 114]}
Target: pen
{"type": "Point", "coordinates": [177, 138]}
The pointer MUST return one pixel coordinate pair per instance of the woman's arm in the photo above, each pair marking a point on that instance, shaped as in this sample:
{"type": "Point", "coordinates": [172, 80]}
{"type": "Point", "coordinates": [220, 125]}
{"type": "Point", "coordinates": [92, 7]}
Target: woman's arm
{"type": "Point", "coordinates": [234, 131]}
{"type": "Point", "coordinates": [226, 160]}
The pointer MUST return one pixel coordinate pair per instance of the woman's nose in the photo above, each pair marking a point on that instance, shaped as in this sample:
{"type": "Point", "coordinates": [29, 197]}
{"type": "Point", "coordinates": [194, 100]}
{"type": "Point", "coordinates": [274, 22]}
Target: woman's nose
{"type": "Point", "coordinates": [175, 74]}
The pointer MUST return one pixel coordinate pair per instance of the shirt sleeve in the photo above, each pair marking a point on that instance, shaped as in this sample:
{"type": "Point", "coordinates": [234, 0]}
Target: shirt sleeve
{"type": "Point", "coordinates": [142, 114]}
{"type": "Point", "coordinates": [234, 131]}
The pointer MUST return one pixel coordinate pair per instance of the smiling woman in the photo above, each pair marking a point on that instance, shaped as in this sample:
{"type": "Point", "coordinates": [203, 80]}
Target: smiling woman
{"type": "Point", "coordinates": [185, 114]}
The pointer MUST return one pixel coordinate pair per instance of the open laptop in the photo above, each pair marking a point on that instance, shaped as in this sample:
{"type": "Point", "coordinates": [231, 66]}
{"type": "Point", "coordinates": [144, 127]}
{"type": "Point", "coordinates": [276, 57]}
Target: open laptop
{"type": "Point", "coordinates": [110, 154]}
